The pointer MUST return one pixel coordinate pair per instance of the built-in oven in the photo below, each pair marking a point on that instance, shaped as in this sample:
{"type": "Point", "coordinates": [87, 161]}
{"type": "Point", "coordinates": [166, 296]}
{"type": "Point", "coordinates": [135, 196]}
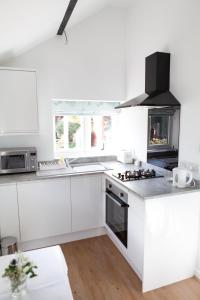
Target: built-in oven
{"type": "Point", "coordinates": [117, 211]}
{"type": "Point", "coordinates": [18, 160]}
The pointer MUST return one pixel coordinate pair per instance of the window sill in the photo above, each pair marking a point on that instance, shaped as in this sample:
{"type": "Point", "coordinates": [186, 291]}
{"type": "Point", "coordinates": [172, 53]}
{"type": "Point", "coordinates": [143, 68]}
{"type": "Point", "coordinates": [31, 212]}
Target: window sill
{"type": "Point", "coordinates": [87, 157]}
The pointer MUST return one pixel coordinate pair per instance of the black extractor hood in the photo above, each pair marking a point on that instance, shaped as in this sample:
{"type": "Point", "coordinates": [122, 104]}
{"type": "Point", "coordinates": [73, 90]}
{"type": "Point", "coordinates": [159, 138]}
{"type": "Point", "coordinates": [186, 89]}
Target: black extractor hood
{"type": "Point", "coordinates": [157, 78]}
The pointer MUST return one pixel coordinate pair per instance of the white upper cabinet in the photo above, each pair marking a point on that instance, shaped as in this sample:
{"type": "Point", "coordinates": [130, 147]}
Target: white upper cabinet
{"type": "Point", "coordinates": [87, 202]}
{"type": "Point", "coordinates": [18, 102]}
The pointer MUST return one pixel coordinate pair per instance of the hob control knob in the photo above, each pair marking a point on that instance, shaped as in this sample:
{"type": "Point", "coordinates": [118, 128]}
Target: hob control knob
{"type": "Point", "coordinates": [121, 194]}
{"type": "Point", "coordinates": [110, 186]}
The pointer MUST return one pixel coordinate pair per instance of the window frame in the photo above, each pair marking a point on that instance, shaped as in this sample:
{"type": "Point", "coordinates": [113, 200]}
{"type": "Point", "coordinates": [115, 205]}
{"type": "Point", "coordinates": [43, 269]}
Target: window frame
{"type": "Point", "coordinates": [86, 150]}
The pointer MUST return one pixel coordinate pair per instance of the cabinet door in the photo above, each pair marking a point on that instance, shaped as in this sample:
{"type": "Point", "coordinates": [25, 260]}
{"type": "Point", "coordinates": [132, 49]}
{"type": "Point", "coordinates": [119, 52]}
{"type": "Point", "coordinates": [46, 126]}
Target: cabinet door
{"type": "Point", "coordinates": [135, 248]}
{"type": "Point", "coordinates": [9, 221]}
{"type": "Point", "coordinates": [18, 102]}
{"type": "Point", "coordinates": [87, 202]}
{"type": "Point", "coordinates": [44, 208]}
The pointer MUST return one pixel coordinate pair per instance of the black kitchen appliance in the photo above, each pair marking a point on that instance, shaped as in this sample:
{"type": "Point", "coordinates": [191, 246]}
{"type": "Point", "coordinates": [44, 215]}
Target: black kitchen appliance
{"type": "Point", "coordinates": [157, 82]}
{"type": "Point", "coordinates": [18, 160]}
{"type": "Point", "coordinates": [117, 211]}
{"type": "Point", "coordinates": [166, 159]}
{"type": "Point", "coordinates": [163, 137]}
{"type": "Point", "coordinates": [132, 175]}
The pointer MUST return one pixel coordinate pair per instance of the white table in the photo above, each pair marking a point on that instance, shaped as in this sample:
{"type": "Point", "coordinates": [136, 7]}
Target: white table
{"type": "Point", "coordinates": [52, 282]}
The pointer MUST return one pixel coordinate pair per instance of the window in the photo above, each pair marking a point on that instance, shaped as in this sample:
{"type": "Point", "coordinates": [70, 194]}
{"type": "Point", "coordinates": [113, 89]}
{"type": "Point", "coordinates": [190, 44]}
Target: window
{"type": "Point", "coordinates": [88, 130]}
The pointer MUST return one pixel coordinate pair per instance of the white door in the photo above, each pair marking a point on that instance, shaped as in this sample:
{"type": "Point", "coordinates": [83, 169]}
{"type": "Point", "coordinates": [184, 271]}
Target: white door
{"type": "Point", "coordinates": [44, 208]}
{"type": "Point", "coordinates": [9, 221]}
{"type": "Point", "coordinates": [87, 202]}
{"type": "Point", "coordinates": [18, 102]}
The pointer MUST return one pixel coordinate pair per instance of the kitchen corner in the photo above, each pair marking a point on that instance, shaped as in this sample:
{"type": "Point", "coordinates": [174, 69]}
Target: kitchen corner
{"type": "Point", "coordinates": [162, 219]}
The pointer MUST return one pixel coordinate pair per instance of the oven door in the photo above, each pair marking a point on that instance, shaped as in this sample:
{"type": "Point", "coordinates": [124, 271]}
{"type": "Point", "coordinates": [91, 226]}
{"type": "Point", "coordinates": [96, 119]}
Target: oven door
{"type": "Point", "coordinates": [13, 162]}
{"type": "Point", "coordinates": [117, 216]}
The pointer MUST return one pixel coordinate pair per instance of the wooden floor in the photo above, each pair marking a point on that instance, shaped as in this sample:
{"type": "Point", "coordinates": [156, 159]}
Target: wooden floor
{"type": "Point", "coordinates": [97, 271]}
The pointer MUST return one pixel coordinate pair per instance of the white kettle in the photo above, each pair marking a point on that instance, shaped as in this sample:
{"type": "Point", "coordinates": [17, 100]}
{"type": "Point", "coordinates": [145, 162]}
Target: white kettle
{"type": "Point", "coordinates": [182, 177]}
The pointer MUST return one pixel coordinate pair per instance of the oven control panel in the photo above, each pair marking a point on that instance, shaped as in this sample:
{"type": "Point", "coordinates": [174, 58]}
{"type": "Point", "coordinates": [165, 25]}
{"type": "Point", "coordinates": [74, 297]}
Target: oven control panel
{"type": "Point", "coordinates": [110, 187]}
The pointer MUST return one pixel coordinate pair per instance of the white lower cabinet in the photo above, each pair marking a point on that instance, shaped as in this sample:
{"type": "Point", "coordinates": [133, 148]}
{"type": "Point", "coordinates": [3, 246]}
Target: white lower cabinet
{"type": "Point", "coordinates": [171, 239]}
{"type": "Point", "coordinates": [135, 248]}
{"type": "Point", "coordinates": [87, 202]}
{"type": "Point", "coordinates": [44, 208]}
{"type": "Point", "coordinates": [41, 209]}
{"type": "Point", "coordinates": [9, 221]}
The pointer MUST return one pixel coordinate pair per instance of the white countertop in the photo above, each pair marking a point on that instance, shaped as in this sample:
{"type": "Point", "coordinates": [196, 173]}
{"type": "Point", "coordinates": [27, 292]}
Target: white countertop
{"type": "Point", "coordinates": [153, 188]}
{"type": "Point", "coordinates": [146, 189]}
{"type": "Point", "coordinates": [42, 175]}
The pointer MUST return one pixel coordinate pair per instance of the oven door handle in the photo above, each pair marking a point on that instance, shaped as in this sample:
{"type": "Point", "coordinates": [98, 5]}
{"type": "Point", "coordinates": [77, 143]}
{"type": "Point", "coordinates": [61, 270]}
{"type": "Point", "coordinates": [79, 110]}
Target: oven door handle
{"type": "Point", "coordinates": [117, 200]}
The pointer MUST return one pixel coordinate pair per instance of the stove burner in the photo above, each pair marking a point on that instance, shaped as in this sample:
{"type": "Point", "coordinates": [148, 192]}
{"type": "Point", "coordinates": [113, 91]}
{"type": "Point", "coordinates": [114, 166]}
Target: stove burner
{"type": "Point", "coordinates": [131, 175]}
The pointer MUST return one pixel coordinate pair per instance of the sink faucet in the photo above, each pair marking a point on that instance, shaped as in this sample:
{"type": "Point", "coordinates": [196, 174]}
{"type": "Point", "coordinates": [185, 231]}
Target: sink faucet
{"type": "Point", "coordinates": [68, 161]}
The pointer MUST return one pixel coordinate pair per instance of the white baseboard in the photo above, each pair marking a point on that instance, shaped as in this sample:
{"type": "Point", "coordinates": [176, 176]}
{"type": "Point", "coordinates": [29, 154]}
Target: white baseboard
{"type": "Point", "coordinates": [61, 239]}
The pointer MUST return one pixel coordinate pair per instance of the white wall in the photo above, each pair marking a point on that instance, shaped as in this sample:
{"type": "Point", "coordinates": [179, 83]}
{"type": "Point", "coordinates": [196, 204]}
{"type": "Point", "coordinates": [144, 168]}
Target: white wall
{"type": "Point", "coordinates": [133, 127]}
{"type": "Point", "coordinates": [171, 26]}
{"type": "Point", "coordinates": [91, 66]}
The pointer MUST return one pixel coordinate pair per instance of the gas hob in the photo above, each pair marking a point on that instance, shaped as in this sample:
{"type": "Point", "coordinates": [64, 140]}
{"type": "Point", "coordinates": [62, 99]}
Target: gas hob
{"type": "Point", "coordinates": [131, 175]}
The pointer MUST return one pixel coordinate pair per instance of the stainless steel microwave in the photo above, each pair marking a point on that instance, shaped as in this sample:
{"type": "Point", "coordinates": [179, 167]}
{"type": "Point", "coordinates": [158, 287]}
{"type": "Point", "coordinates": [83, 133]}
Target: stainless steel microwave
{"type": "Point", "coordinates": [18, 160]}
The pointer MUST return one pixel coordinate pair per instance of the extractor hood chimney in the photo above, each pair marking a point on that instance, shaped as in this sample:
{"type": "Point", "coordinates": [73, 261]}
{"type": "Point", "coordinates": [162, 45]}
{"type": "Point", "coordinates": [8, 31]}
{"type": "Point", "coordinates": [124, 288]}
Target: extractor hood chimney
{"type": "Point", "coordinates": [157, 77]}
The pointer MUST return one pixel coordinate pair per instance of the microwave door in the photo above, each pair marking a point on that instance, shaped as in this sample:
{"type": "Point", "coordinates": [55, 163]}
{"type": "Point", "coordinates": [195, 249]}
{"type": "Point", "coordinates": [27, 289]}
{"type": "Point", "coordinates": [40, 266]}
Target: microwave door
{"type": "Point", "coordinates": [13, 162]}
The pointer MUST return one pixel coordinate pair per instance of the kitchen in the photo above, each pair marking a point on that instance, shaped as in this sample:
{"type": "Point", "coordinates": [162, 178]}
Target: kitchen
{"type": "Point", "coordinates": [65, 74]}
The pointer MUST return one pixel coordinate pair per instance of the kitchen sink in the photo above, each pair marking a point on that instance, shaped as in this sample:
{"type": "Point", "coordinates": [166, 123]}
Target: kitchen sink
{"type": "Point", "coordinates": [47, 173]}
{"type": "Point", "coordinates": [84, 168]}
{"type": "Point", "coordinates": [88, 168]}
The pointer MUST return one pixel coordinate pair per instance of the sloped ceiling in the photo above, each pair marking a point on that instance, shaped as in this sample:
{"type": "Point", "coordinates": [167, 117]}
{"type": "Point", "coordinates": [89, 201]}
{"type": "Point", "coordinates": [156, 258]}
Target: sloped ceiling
{"type": "Point", "coordinates": [26, 23]}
